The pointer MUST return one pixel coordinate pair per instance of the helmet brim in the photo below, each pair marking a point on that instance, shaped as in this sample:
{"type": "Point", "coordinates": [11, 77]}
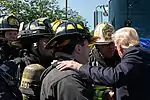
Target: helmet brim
{"type": "Point", "coordinates": [35, 35]}
{"type": "Point", "coordinates": [8, 29]}
{"type": "Point", "coordinates": [103, 42]}
{"type": "Point", "coordinates": [52, 43]}
{"type": "Point", "coordinates": [55, 40]}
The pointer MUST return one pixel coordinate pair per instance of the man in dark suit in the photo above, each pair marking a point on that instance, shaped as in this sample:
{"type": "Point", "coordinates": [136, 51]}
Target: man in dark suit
{"type": "Point", "coordinates": [130, 76]}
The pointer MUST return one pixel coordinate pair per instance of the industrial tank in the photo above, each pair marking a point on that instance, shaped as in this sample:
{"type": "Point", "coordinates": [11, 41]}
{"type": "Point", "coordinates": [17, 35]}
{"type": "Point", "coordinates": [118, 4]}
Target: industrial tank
{"type": "Point", "coordinates": [122, 12]}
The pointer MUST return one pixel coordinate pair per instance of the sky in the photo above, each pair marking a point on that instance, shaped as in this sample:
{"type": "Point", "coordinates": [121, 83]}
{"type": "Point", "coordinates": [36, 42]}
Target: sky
{"type": "Point", "coordinates": [85, 8]}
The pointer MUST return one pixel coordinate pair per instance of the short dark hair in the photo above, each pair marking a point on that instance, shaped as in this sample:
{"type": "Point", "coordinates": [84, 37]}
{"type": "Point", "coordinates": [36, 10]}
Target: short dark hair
{"type": "Point", "coordinates": [69, 48]}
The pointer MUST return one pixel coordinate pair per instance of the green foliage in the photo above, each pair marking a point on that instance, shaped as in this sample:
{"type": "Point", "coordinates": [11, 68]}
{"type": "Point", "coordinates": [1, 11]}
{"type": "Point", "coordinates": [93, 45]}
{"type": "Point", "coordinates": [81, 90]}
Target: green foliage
{"type": "Point", "coordinates": [33, 9]}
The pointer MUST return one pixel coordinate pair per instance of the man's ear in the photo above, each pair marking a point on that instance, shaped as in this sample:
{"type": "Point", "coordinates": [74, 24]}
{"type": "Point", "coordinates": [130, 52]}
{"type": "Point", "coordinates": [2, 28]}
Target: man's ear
{"type": "Point", "coordinates": [120, 50]}
{"type": "Point", "coordinates": [78, 49]}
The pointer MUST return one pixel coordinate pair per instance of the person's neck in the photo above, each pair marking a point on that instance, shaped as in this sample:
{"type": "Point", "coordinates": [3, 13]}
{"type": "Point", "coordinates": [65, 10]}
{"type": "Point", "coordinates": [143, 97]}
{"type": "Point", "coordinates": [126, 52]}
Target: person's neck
{"type": "Point", "coordinates": [61, 54]}
{"type": "Point", "coordinates": [79, 58]}
{"type": "Point", "coordinates": [70, 56]}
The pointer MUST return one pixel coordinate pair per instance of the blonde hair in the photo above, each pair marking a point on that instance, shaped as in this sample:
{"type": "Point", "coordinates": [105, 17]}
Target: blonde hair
{"type": "Point", "coordinates": [126, 37]}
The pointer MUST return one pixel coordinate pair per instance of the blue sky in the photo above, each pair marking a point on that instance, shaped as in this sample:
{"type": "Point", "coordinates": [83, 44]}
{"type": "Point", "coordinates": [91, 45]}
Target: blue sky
{"type": "Point", "coordinates": [84, 7]}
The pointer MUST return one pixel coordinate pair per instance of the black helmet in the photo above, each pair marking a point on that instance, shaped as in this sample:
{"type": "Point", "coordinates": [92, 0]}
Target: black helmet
{"type": "Point", "coordinates": [68, 29]}
{"type": "Point", "coordinates": [9, 22]}
{"type": "Point", "coordinates": [55, 24]}
{"type": "Point", "coordinates": [37, 28]}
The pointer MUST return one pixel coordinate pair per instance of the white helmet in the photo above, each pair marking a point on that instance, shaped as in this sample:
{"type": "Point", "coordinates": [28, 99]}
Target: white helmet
{"type": "Point", "coordinates": [104, 31]}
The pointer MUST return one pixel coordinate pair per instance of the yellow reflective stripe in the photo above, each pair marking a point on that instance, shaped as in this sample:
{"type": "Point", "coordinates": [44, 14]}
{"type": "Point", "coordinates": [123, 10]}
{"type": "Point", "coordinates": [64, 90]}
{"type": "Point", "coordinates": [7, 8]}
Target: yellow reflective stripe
{"type": "Point", "coordinates": [98, 95]}
{"type": "Point", "coordinates": [1, 20]}
{"type": "Point", "coordinates": [32, 26]}
{"type": "Point", "coordinates": [70, 27]}
{"type": "Point", "coordinates": [99, 90]}
{"type": "Point", "coordinates": [59, 29]}
{"type": "Point", "coordinates": [79, 26]}
{"type": "Point", "coordinates": [101, 87]}
{"type": "Point", "coordinates": [40, 22]}
{"type": "Point", "coordinates": [55, 24]}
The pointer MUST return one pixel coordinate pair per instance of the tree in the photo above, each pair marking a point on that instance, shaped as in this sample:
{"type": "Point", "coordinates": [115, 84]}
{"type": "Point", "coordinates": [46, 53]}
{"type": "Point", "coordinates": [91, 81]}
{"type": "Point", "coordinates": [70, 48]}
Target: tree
{"type": "Point", "coordinates": [27, 10]}
{"type": "Point", "coordinates": [3, 10]}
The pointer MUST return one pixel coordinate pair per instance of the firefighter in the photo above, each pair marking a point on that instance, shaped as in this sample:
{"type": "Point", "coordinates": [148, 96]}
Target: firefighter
{"type": "Point", "coordinates": [9, 79]}
{"type": "Point", "coordinates": [70, 42]}
{"type": "Point", "coordinates": [33, 40]}
{"type": "Point", "coordinates": [130, 76]}
{"type": "Point", "coordinates": [9, 26]}
{"type": "Point", "coordinates": [104, 54]}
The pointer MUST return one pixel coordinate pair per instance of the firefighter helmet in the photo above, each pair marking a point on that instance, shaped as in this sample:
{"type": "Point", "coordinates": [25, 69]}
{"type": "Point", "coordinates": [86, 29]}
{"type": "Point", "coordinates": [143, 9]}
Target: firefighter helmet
{"type": "Point", "coordinates": [9, 22]}
{"type": "Point", "coordinates": [104, 31]}
{"type": "Point", "coordinates": [30, 83]}
{"type": "Point", "coordinates": [65, 30]}
{"type": "Point", "coordinates": [55, 24]}
{"type": "Point", "coordinates": [37, 28]}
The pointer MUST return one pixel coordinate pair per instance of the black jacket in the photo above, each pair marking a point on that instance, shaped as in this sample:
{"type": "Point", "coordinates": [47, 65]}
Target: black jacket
{"type": "Point", "coordinates": [25, 60]}
{"type": "Point", "coordinates": [64, 85]}
{"type": "Point", "coordinates": [130, 77]}
{"type": "Point", "coordinates": [8, 83]}
{"type": "Point", "coordinates": [8, 52]}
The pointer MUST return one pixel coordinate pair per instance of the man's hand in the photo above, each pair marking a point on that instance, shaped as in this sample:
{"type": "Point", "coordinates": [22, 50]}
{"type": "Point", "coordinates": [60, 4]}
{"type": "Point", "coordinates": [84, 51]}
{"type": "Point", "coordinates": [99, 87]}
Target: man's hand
{"type": "Point", "coordinates": [68, 64]}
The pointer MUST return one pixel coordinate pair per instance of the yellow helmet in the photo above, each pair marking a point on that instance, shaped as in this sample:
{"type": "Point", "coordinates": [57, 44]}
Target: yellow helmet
{"type": "Point", "coordinates": [104, 31]}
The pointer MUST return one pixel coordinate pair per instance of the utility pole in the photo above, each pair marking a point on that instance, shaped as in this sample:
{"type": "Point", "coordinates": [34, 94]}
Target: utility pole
{"type": "Point", "coordinates": [66, 9]}
{"type": "Point", "coordinates": [17, 8]}
{"type": "Point", "coordinates": [41, 8]}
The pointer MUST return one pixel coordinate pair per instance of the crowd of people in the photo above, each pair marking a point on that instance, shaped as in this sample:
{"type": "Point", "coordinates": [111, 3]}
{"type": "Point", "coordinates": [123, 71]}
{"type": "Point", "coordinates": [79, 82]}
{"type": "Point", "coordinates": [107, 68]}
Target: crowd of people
{"type": "Point", "coordinates": [61, 60]}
